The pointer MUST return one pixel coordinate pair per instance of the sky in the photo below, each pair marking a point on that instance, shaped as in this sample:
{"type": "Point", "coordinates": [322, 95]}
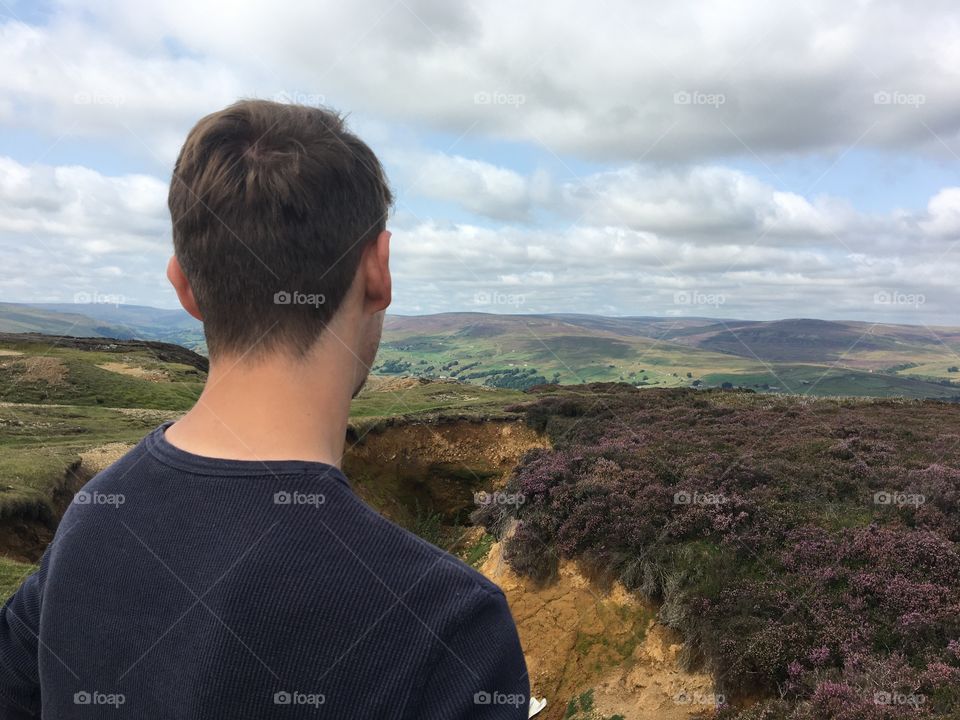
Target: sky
{"type": "Point", "coordinates": [743, 159]}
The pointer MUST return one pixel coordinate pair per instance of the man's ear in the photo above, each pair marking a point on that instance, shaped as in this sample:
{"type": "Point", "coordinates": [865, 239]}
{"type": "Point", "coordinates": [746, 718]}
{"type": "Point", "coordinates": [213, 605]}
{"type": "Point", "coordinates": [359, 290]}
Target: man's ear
{"type": "Point", "coordinates": [180, 283]}
{"type": "Point", "coordinates": [375, 266]}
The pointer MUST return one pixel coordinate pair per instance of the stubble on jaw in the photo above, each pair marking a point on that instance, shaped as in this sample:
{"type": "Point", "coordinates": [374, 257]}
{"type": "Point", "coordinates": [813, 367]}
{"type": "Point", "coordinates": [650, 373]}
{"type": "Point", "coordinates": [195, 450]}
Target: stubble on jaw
{"type": "Point", "coordinates": [368, 352]}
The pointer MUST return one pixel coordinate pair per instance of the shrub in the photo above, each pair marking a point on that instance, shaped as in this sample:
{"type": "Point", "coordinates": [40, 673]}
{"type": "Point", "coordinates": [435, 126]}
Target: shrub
{"type": "Point", "coordinates": [807, 550]}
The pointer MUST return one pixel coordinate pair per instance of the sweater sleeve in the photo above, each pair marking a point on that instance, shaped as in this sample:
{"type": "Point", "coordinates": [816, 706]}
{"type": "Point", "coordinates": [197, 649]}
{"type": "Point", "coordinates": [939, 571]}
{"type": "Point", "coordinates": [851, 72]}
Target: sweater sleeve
{"type": "Point", "coordinates": [478, 670]}
{"type": "Point", "coordinates": [19, 649]}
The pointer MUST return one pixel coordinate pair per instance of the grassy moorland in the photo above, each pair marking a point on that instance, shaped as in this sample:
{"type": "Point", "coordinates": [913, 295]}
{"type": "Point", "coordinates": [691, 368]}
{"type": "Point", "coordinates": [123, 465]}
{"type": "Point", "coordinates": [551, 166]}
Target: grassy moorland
{"type": "Point", "coordinates": [807, 550]}
{"type": "Point", "coordinates": [12, 573]}
{"type": "Point", "coordinates": [62, 397]}
{"type": "Point", "coordinates": [110, 373]}
{"type": "Point", "coordinates": [384, 399]}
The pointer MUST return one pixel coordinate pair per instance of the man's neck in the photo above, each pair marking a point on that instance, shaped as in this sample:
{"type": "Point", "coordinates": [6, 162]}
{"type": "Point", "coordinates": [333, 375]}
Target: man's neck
{"type": "Point", "coordinates": [273, 410]}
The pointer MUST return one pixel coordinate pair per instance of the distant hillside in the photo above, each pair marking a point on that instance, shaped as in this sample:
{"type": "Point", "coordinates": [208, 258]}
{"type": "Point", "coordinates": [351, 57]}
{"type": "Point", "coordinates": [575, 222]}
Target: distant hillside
{"type": "Point", "coordinates": [857, 344]}
{"type": "Point", "coordinates": [803, 356]}
{"type": "Point", "coordinates": [491, 324]}
{"type": "Point", "coordinates": [796, 356]}
{"type": "Point", "coordinates": [104, 320]}
{"type": "Point", "coordinates": [26, 318]}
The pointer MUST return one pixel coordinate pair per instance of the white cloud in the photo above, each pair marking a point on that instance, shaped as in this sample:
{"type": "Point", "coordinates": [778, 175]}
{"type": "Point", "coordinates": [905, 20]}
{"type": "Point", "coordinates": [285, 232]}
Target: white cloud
{"type": "Point", "coordinates": [682, 81]}
{"type": "Point", "coordinates": [943, 213]}
{"type": "Point", "coordinates": [69, 229]}
{"type": "Point", "coordinates": [80, 206]}
{"type": "Point", "coordinates": [479, 187]}
{"type": "Point", "coordinates": [71, 80]}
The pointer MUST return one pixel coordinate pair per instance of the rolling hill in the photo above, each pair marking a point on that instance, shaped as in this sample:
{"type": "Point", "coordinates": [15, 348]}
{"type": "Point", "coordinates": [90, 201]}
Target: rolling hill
{"type": "Point", "coordinates": [126, 322]}
{"type": "Point", "coordinates": [798, 356]}
{"type": "Point", "coordinates": [802, 356]}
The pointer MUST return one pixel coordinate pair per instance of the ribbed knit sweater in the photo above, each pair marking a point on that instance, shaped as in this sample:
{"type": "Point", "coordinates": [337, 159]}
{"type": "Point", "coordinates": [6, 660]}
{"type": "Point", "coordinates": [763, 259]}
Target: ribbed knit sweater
{"type": "Point", "coordinates": [180, 586]}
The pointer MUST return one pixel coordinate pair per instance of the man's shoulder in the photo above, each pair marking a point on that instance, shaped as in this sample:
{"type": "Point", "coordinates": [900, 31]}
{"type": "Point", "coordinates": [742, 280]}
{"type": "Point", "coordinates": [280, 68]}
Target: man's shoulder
{"type": "Point", "coordinates": [434, 567]}
{"type": "Point", "coordinates": [351, 527]}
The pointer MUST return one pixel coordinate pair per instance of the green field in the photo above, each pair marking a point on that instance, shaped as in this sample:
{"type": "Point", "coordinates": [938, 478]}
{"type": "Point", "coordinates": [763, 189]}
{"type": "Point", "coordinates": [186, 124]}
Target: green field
{"type": "Point", "coordinates": [798, 357]}
{"type": "Point", "coordinates": [12, 573]}
{"type": "Point", "coordinates": [825, 381]}
{"type": "Point", "coordinates": [43, 372]}
{"type": "Point", "coordinates": [381, 400]}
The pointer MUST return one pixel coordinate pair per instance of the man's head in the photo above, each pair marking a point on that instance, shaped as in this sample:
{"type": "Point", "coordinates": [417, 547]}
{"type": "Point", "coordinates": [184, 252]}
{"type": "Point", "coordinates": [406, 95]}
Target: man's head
{"type": "Point", "coordinates": [279, 220]}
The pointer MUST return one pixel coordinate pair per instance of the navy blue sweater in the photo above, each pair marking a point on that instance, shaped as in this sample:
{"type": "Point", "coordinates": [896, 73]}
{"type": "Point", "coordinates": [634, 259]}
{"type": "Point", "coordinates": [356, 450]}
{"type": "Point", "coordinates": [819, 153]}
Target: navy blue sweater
{"type": "Point", "coordinates": [181, 586]}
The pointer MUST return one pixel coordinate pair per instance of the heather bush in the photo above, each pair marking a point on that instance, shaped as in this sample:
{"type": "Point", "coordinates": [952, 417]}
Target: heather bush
{"type": "Point", "coordinates": [806, 549]}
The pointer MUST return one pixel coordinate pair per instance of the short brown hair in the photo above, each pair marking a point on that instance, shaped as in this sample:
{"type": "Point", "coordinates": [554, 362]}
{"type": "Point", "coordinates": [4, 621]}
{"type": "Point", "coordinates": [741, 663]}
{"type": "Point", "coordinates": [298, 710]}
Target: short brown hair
{"type": "Point", "coordinates": [269, 200]}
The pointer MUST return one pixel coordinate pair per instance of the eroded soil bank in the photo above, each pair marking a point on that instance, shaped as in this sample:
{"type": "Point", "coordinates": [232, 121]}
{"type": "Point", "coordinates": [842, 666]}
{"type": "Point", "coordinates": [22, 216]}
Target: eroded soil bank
{"type": "Point", "coordinates": [416, 471]}
{"type": "Point", "coordinates": [580, 638]}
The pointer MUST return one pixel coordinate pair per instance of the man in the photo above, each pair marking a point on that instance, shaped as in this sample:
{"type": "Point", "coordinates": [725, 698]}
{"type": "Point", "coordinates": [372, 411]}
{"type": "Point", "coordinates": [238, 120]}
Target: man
{"type": "Point", "coordinates": [223, 568]}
